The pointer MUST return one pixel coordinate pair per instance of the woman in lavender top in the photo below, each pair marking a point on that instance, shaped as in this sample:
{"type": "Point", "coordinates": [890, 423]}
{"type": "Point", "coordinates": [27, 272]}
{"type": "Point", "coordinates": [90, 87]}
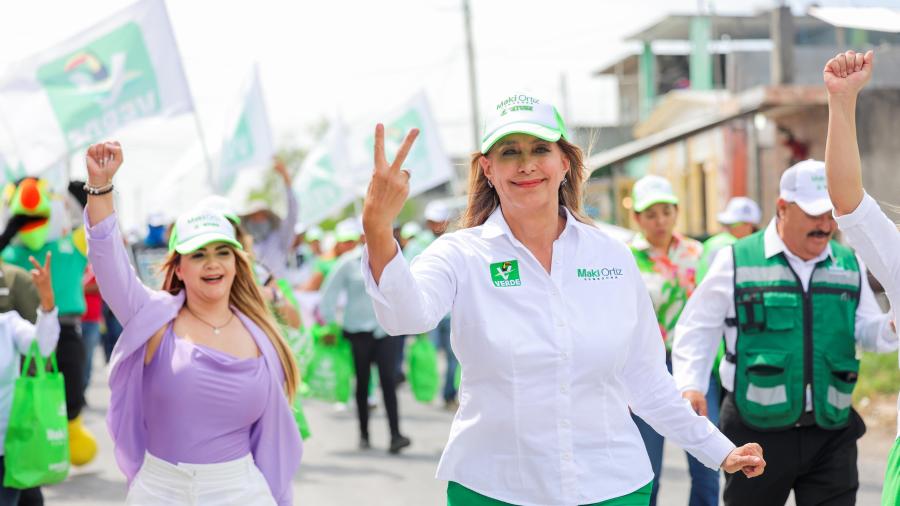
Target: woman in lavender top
{"type": "Point", "coordinates": [200, 376]}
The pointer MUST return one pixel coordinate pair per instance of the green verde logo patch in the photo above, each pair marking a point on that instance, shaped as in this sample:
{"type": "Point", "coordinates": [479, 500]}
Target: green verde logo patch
{"type": "Point", "coordinates": [506, 274]}
{"type": "Point", "coordinates": [105, 85]}
{"type": "Point", "coordinates": [604, 273]}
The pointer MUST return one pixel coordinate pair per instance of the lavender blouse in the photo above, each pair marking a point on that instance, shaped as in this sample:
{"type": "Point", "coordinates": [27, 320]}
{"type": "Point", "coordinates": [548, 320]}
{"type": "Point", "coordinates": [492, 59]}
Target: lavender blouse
{"type": "Point", "coordinates": [272, 436]}
{"type": "Point", "coordinates": [216, 396]}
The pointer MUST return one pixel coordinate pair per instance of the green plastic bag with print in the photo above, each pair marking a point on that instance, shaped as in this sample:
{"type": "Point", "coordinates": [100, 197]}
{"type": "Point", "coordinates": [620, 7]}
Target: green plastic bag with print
{"type": "Point", "coordinates": [300, 418]}
{"type": "Point", "coordinates": [37, 438]}
{"type": "Point", "coordinates": [330, 371]}
{"type": "Point", "coordinates": [424, 378]}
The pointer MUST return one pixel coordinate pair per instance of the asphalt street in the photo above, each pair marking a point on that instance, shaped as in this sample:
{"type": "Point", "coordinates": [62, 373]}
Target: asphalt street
{"type": "Point", "coordinates": [335, 472]}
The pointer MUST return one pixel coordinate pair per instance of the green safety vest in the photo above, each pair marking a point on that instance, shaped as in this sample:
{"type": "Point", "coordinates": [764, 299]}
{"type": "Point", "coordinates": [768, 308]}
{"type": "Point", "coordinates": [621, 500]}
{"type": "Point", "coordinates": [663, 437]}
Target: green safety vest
{"type": "Point", "coordinates": [788, 339]}
{"type": "Point", "coordinates": [710, 247]}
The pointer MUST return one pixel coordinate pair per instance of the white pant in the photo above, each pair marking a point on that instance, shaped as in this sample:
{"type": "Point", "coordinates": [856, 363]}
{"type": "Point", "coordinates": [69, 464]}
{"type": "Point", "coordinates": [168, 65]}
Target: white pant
{"type": "Point", "coordinates": [237, 482]}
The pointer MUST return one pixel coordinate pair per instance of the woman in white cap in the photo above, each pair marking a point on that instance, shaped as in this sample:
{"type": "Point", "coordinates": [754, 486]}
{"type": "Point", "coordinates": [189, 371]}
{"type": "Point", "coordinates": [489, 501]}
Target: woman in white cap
{"type": "Point", "coordinates": [864, 224]}
{"type": "Point", "coordinates": [200, 377]}
{"type": "Point", "coordinates": [667, 261]}
{"type": "Point", "coordinates": [552, 326]}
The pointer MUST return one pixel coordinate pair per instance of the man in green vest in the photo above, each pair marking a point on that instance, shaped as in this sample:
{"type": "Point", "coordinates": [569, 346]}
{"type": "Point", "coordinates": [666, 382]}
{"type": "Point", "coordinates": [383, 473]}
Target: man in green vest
{"type": "Point", "coordinates": [740, 218]}
{"type": "Point", "coordinates": [793, 306]}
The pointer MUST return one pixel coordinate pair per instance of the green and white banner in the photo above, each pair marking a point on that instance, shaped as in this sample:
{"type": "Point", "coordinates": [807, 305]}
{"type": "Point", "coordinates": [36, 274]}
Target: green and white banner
{"type": "Point", "coordinates": [120, 71]}
{"type": "Point", "coordinates": [427, 163]}
{"type": "Point", "coordinates": [248, 138]}
{"type": "Point", "coordinates": [325, 184]}
{"type": "Point", "coordinates": [338, 170]}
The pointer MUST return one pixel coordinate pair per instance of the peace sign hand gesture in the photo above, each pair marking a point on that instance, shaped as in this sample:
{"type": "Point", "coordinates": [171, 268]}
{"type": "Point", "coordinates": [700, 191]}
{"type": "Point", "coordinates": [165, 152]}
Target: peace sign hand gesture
{"type": "Point", "coordinates": [847, 73]}
{"type": "Point", "coordinates": [389, 186]}
{"type": "Point", "coordinates": [103, 160]}
{"type": "Point", "coordinates": [41, 278]}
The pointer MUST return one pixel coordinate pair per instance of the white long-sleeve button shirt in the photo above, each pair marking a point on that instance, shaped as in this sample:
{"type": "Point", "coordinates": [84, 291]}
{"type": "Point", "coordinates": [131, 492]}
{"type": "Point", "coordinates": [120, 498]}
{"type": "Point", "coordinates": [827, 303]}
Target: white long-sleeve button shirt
{"type": "Point", "coordinates": [877, 241]}
{"type": "Point", "coordinates": [702, 323]}
{"type": "Point", "coordinates": [550, 363]}
{"type": "Point", "coordinates": [16, 335]}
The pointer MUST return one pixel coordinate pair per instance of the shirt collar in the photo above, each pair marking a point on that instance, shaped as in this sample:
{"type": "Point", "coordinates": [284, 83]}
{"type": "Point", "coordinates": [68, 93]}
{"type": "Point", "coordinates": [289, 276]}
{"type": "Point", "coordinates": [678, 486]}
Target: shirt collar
{"type": "Point", "coordinates": [640, 243]}
{"type": "Point", "coordinates": [496, 225]}
{"type": "Point", "coordinates": [774, 245]}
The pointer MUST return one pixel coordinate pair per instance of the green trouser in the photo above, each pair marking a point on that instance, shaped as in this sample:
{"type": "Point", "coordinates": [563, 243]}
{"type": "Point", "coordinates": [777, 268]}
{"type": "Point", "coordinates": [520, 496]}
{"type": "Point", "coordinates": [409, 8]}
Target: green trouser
{"type": "Point", "coordinates": [458, 495]}
{"type": "Point", "coordinates": [890, 495]}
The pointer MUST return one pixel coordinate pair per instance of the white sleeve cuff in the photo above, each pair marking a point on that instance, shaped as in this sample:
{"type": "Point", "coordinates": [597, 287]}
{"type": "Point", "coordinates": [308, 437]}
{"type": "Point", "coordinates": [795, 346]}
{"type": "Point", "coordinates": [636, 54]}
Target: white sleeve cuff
{"type": "Point", "coordinates": [858, 215]}
{"type": "Point", "coordinates": [389, 276]}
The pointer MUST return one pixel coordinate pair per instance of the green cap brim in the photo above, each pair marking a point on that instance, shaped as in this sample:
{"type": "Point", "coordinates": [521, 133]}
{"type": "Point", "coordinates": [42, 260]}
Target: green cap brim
{"type": "Point", "coordinates": [192, 245]}
{"type": "Point", "coordinates": [539, 131]}
{"type": "Point", "coordinates": [639, 207]}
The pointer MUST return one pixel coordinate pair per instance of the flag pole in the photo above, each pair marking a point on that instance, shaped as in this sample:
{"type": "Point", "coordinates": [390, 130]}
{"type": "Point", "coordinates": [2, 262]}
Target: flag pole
{"type": "Point", "coordinates": [200, 134]}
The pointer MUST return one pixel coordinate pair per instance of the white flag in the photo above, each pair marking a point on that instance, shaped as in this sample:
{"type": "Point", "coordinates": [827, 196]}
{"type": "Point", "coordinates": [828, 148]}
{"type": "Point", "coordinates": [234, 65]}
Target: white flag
{"type": "Point", "coordinates": [120, 71]}
{"type": "Point", "coordinates": [427, 163]}
{"type": "Point", "coordinates": [325, 184]}
{"type": "Point", "coordinates": [248, 138]}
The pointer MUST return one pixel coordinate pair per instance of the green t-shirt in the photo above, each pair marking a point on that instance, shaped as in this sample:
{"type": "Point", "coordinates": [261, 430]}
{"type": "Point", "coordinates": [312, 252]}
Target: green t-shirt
{"type": "Point", "coordinates": [67, 268]}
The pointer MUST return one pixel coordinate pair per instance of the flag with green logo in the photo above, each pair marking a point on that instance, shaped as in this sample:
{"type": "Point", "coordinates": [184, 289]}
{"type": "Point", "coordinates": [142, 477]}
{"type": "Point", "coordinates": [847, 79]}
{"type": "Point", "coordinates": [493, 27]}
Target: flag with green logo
{"type": "Point", "coordinates": [325, 184]}
{"type": "Point", "coordinates": [119, 72]}
{"type": "Point", "coordinates": [248, 138]}
{"type": "Point", "coordinates": [427, 163]}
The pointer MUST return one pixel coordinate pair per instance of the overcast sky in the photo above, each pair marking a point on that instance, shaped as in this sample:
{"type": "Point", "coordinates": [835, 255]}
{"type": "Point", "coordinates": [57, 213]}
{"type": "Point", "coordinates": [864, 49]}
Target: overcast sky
{"type": "Point", "coordinates": [359, 57]}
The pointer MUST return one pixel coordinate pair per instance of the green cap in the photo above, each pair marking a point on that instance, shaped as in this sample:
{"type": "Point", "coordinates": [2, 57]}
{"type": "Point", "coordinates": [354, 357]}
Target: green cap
{"type": "Point", "coordinates": [195, 229]}
{"type": "Point", "coordinates": [522, 114]}
{"type": "Point", "coordinates": [650, 190]}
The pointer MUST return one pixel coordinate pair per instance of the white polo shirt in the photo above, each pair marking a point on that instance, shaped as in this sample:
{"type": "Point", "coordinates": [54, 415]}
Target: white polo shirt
{"type": "Point", "coordinates": [877, 241]}
{"type": "Point", "coordinates": [702, 323]}
{"type": "Point", "coordinates": [550, 363]}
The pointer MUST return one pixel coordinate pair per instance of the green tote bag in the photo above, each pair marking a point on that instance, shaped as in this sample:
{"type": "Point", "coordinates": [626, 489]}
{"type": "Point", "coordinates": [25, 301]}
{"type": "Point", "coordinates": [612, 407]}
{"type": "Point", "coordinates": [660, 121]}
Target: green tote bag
{"type": "Point", "coordinates": [37, 438]}
{"type": "Point", "coordinates": [424, 378]}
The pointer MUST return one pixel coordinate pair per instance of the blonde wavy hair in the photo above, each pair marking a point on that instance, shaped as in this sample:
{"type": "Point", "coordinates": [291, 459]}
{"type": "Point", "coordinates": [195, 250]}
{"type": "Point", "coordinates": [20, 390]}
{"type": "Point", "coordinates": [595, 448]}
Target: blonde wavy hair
{"type": "Point", "coordinates": [483, 199]}
{"type": "Point", "coordinates": [247, 298]}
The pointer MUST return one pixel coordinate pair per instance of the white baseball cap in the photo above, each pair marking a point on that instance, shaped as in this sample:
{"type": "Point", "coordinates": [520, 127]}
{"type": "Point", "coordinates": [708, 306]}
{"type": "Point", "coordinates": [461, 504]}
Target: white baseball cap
{"type": "Point", "coordinates": [195, 229]}
{"type": "Point", "coordinates": [740, 210]}
{"type": "Point", "coordinates": [347, 230]}
{"type": "Point", "coordinates": [650, 190]}
{"type": "Point", "coordinates": [437, 211]}
{"type": "Point", "coordinates": [524, 114]}
{"type": "Point", "coordinates": [410, 229]}
{"type": "Point", "coordinates": [805, 185]}
{"type": "Point", "coordinates": [314, 234]}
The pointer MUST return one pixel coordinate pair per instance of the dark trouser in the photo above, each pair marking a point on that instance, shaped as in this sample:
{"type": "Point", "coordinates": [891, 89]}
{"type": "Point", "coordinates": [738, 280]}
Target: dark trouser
{"type": "Point", "coordinates": [113, 329]}
{"type": "Point", "coordinates": [31, 497]}
{"type": "Point", "coordinates": [818, 464]}
{"type": "Point", "coordinates": [8, 496]}
{"type": "Point", "coordinates": [382, 352]}
{"type": "Point", "coordinates": [441, 338]}
{"type": "Point", "coordinates": [704, 481]}
{"type": "Point", "coordinates": [70, 359]}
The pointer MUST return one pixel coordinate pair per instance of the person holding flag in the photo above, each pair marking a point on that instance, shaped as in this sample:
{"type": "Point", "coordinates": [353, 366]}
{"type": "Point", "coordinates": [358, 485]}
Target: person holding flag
{"type": "Point", "coordinates": [545, 390]}
{"type": "Point", "coordinates": [201, 378]}
{"type": "Point", "coordinates": [864, 224]}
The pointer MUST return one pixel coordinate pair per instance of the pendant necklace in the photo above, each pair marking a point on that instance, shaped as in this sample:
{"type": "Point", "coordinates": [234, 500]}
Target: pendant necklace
{"type": "Point", "coordinates": [216, 329]}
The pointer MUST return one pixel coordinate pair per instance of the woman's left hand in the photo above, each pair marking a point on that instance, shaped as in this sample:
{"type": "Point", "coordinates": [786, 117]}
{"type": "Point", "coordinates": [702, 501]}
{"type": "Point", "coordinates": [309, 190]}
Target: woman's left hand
{"type": "Point", "coordinates": [747, 458]}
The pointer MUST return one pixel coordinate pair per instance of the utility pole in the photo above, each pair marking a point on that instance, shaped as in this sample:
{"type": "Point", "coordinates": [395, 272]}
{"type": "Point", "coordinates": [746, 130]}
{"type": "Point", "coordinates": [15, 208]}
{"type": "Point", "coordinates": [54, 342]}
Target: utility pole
{"type": "Point", "coordinates": [473, 88]}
